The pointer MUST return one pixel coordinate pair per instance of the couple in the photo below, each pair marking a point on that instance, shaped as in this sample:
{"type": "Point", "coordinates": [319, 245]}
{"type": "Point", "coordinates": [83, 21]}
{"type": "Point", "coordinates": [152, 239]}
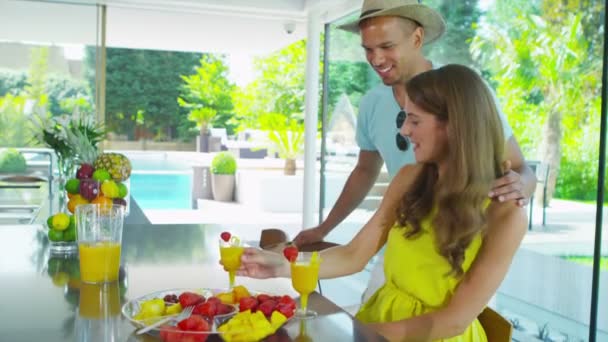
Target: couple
{"type": "Point", "coordinates": [448, 246]}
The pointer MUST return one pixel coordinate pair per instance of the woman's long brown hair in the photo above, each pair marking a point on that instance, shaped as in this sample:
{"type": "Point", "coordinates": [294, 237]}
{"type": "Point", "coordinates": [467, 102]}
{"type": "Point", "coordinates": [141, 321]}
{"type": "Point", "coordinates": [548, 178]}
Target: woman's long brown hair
{"type": "Point", "coordinates": [456, 95]}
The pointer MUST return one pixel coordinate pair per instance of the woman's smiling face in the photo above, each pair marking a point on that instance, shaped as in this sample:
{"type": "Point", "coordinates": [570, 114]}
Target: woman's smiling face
{"type": "Point", "coordinates": [427, 134]}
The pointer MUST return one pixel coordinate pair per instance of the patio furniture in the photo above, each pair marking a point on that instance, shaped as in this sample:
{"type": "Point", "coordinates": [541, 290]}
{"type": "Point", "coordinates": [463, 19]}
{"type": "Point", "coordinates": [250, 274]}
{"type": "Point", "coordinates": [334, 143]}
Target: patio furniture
{"type": "Point", "coordinates": [541, 170]}
{"type": "Point", "coordinates": [497, 328]}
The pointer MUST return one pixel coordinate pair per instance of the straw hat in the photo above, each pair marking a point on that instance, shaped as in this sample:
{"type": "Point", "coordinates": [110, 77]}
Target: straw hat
{"type": "Point", "coordinates": [431, 21]}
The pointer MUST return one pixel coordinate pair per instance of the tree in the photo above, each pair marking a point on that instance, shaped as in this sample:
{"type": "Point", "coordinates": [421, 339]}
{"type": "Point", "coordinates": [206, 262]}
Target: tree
{"type": "Point", "coordinates": [35, 89]}
{"type": "Point", "coordinates": [545, 77]}
{"type": "Point", "coordinates": [277, 88]}
{"type": "Point", "coordinates": [207, 94]}
{"type": "Point", "coordinates": [461, 18]}
{"type": "Point", "coordinates": [143, 84]}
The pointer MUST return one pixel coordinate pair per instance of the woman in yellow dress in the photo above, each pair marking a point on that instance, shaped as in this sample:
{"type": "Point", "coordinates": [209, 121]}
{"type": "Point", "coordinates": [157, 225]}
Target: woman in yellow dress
{"type": "Point", "coordinates": [448, 246]}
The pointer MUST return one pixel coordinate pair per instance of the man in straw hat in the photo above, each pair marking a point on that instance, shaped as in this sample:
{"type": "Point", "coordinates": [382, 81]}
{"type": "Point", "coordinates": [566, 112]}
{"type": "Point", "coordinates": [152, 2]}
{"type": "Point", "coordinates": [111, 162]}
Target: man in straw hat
{"type": "Point", "coordinates": [392, 35]}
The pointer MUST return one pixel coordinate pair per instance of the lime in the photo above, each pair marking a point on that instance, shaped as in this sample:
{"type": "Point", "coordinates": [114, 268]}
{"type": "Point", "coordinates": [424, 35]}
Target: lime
{"type": "Point", "coordinates": [54, 265]}
{"type": "Point", "coordinates": [55, 235]}
{"type": "Point", "coordinates": [70, 233]}
{"type": "Point", "coordinates": [101, 175]}
{"type": "Point", "coordinates": [49, 222]}
{"type": "Point", "coordinates": [72, 186]}
{"type": "Point", "coordinates": [61, 221]}
{"type": "Point", "coordinates": [122, 190]}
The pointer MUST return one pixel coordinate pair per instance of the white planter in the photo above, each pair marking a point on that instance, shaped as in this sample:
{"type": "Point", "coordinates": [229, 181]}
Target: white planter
{"type": "Point", "coordinates": [222, 187]}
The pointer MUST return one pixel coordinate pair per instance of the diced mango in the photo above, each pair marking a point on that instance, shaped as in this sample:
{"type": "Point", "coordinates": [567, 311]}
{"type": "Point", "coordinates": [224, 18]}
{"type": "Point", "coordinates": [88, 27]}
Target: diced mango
{"type": "Point", "coordinates": [239, 292]}
{"type": "Point", "coordinates": [226, 297]}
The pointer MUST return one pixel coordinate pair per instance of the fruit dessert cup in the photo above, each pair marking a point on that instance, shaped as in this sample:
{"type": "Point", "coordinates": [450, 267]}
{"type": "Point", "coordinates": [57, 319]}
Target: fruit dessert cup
{"type": "Point", "coordinates": [304, 276]}
{"type": "Point", "coordinates": [231, 250]}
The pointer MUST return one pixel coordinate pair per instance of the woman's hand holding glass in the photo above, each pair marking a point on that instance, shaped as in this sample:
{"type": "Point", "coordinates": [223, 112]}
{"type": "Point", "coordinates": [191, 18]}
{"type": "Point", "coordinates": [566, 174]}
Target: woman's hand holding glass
{"type": "Point", "coordinates": [260, 264]}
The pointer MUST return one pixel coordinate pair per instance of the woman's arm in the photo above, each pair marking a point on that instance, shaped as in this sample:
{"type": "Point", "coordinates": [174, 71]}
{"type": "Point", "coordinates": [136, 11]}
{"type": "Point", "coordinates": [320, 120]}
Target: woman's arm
{"type": "Point", "coordinates": [506, 229]}
{"type": "Point", "coordinates": [352, 257]}
{"type": "Point", "coordinates": [341, 260]}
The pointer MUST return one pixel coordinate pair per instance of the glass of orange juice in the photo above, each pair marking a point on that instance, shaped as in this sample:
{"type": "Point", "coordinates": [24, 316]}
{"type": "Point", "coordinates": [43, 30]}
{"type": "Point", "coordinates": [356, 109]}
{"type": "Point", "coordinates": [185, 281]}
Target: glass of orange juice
{"type": "Point", "coordinates": [304, 278]}
{"type": "Point", "coordinates": [99, 239]}
{"type": "Point", "coordinates": [231, 251]}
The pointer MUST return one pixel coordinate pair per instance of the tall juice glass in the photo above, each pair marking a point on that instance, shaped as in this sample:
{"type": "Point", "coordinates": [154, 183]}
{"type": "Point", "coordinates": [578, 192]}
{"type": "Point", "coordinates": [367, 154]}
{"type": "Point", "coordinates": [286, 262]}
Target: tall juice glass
{"type": "Point", "coordinates": [230, 254]}
{"type": "Point", "coordinates": [304, 278]}
{"type": "Point", "coordinates": [99, 240]}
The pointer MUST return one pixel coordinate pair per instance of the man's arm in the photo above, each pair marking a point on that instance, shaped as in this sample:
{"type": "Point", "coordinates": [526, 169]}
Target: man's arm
{"type": "Point", "coordinates": [519, 181]}
{"type": "Point", "coordinates": [358, 184]}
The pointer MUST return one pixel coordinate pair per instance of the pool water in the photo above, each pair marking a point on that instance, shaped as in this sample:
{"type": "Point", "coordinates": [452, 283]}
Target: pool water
{"type": "Point", "coordinates": [162, 190]}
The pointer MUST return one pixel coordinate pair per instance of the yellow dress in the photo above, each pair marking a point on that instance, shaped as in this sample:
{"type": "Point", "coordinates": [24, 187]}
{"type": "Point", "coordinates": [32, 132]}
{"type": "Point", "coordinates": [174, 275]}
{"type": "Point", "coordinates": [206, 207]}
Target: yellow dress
{"type": "Point", "coordinates": [416, 281]}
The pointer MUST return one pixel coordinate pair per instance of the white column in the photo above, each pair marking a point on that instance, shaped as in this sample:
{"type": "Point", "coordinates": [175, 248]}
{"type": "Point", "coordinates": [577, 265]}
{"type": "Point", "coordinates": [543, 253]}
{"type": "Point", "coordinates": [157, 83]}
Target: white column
{"type": "Point", "coordinates": [310, 120]}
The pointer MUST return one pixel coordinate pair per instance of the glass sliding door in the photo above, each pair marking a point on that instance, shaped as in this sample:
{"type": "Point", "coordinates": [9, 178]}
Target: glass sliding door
{"type": "Point", "coordinates": [551, 96]}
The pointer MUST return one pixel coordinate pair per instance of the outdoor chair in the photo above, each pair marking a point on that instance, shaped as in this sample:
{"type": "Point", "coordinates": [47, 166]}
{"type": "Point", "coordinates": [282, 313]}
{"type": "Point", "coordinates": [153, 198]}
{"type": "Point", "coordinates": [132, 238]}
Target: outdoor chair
{"type": "Point", "coordinates": [497, 328]}
{"type": "Point", "coordinates": [541, 170]}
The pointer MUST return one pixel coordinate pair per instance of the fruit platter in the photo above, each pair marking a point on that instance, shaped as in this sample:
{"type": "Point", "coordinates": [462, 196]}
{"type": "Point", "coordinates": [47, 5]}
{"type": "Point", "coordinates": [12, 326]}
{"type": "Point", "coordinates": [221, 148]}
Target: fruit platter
{"type": "Point", "coordinates": [234, 315]}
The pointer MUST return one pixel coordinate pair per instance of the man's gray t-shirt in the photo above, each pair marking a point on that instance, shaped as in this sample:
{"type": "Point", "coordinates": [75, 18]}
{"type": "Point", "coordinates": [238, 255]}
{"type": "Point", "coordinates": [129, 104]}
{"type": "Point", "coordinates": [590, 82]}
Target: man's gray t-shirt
{"type": "Point", "coordinates": [377, 128]}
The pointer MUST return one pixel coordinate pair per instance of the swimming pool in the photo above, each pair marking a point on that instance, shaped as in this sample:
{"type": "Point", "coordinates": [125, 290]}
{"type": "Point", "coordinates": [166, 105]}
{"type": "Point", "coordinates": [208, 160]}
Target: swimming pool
{"type": "Point", "coordinates": [162, 189]}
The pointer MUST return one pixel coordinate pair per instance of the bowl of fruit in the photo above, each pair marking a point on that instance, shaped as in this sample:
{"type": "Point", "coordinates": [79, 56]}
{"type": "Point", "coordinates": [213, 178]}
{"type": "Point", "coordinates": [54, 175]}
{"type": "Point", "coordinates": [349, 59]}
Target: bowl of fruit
{"type": "Point", "coordinates": [104, 181]}
{"type": "Point", "coordinates": [232, 314]}
{"type": "Point", "coordinates": [60, 229]}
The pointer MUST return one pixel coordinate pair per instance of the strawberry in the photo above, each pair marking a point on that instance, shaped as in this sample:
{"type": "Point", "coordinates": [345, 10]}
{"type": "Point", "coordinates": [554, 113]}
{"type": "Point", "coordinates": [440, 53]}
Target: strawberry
{"type": "Point", "coordinates": [225, 236]}
{"type": "Point", "coordinates": [267, 307]}
{"type": "Point", "coordinates": [263, 297]}
{"type": "Point", "coordinates": [170, 334]}
{"type": "Point", "coordinates": [285, 309]}
{"type": "Point", "coordinates": [248, 303]}
{"type": "Point", "coordinates": [207, 309]}
{"type": "Point", "coordinates": [190, 298]}
{"type": "Point", "coordinates": [287, 300]}
{"type": "Point", "coordinates": [223, 309]}
{"type": "Point", "coordinates": [215, 300]}
{"type": "Point", "coordinates": [291, 253]}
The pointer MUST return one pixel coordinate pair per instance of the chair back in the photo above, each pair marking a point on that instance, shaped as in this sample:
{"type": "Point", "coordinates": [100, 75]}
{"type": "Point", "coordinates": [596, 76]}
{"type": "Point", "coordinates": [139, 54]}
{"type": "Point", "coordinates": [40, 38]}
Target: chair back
{"type": "Point", "coordinates": [497, 328]}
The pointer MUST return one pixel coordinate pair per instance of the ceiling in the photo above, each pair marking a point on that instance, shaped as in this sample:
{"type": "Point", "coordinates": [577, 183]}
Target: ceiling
{"type": "Point", "coordinates": [227, 26]}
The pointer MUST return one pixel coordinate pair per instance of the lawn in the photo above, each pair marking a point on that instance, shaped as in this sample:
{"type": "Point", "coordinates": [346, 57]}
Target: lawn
{"type": "Point", "coordinates": [587, 260]}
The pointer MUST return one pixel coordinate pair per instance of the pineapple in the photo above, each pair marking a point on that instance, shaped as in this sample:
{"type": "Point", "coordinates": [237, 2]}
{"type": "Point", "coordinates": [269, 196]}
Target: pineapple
{"type": "Point", "coordinates": [85, 150]}
{"type": "Point", "coordinates": [118, 165]}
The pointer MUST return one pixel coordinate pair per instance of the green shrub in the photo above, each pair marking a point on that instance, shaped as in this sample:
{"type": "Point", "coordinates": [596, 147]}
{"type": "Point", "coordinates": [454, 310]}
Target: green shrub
{"type": "Point", "coordinates": [12, 161]}
{"type": "Point", "coordinates": [223, 163]}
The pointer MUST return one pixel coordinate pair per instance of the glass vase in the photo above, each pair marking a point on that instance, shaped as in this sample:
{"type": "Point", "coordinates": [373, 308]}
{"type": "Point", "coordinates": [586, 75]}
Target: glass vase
{"type": "Point", "coordinates": [66, 169]}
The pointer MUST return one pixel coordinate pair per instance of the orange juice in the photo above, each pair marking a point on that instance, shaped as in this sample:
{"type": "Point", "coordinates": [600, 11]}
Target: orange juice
{"type": "Point", "coordinates": [99, 300]}
{"type": "Point", "coordinates": [99, 261]}
{"type": "Point", "coordinates": [231, 259]}
{"type": "Point", "coordinates": [304, 277]}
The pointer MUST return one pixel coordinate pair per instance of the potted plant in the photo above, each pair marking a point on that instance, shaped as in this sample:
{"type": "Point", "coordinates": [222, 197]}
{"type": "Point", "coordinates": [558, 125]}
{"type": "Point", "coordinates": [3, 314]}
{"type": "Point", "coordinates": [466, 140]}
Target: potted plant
{"type": "Point", "coordinates": [287, 137]}
{"type": "Point", "coordinates": [202, 117]}
{"type": "Point", "coordinates": [223, 168]}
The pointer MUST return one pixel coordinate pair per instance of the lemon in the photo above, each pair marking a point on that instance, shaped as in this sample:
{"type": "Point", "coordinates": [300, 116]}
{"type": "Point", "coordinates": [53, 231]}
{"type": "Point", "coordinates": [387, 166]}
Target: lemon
{"type": "Point", "coordinates": [60, 279]}
{"type": "Point", "coordinates": [61, 221]}
{"type": "Point", "coordinates": [110, 189]}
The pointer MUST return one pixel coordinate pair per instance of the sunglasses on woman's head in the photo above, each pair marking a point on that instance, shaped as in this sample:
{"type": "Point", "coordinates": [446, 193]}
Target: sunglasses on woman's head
{"type": "Point", "coordinates": [402, 143]}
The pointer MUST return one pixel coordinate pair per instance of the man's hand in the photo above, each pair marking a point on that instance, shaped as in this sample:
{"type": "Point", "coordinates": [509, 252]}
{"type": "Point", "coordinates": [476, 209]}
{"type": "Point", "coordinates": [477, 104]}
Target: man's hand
{"type": "Point", "coordinates": [309, 236]}
{"type": "Point", "coordinates": [509, 187]}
